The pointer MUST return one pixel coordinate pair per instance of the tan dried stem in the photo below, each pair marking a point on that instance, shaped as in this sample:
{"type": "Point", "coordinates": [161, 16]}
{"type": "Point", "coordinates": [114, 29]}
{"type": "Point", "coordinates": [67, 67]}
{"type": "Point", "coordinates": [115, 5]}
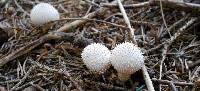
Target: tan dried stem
{"type": "Point", "coordinates": [131, 33]}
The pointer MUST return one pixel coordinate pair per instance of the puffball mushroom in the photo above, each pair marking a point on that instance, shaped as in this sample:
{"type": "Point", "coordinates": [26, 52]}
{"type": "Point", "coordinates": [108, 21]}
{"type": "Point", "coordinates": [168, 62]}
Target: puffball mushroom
{"type": "Point", "coordinates": [43, 13]}
{"type": "Point", "coordinates": [126, 58]}
{"type": "Point", "coordinates": [96, 57]}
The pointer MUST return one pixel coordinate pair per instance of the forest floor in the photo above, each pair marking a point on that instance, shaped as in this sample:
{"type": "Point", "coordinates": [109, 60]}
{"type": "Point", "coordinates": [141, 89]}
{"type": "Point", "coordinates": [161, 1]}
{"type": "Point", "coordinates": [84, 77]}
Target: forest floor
{"type": "Point", "coordinates": [49, 57]}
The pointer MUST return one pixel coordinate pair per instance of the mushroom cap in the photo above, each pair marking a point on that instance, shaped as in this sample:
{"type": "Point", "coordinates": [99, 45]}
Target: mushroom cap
{"type": "Point", "coordinates": [43, 13]}
{"type": "Point", "coordinates": [127, 58]}
{"type": "Point", "coordinates": [96, 57]}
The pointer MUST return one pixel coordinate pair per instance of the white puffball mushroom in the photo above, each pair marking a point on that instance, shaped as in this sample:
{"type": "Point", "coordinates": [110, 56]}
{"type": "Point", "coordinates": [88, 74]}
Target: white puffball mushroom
{"type": "Point", "coordinates": [96, 57]}
{"type": "Point", "coordinates": [126, 58]}
{"type": "Point", "coordinates": [43, 13]}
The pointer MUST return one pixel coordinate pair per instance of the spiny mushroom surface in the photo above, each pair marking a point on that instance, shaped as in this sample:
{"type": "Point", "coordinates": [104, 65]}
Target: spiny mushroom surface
{"type": "Point", "coordinates": [96, 57]}
{"type": "Point", "coordinates": [126, 58]}
{"type": "Point", "coordinates": [43, 13]}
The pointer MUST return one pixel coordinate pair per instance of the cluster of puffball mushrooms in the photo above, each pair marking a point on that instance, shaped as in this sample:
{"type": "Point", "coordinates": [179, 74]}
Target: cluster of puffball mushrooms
{"type": "Point", "coordinates": [126, 58]}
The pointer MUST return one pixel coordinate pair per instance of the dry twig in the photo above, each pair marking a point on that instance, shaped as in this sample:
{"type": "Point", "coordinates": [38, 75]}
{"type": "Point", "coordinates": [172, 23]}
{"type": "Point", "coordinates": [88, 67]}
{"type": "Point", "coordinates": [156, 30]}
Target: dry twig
{"type": "Point", "coordinates": [171, 4]}
{"type": "Point", "coordinates": [131, 33]}
{"type": "Point", "coordinates": [175, 83]}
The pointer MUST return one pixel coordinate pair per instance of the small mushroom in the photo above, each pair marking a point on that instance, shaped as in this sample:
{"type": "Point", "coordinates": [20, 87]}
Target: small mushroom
{"type": "Point", "coordinates": [126, 58]}
{"type": "Point", "coordinates": [96, 57]}
{"type": "Point", "coordinates": [43, 13]}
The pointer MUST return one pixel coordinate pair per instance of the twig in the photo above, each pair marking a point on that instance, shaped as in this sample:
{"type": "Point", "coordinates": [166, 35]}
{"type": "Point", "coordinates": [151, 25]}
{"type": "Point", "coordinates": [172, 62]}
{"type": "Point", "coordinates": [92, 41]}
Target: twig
{"type": "Point", "coordinates": [24, 78]}
{"type": "Point", "coordinates": [37, 86]}
{"type": "Point", "coordinates": [26, 85]}
{"type": "Point", "coordinates": [23, 50]}
{"type": "Point", "coordinates": [163, 17]}
{"type": "Point", "coordinates": [174, 25]}
{"type": "Point", "coordinates": [139, 5]}
{"type": "Point", "coordinates": [166, 3]}
{"type": "Point", "coordinates": [144, 23]}
{"type": "Point", "coordinates": [132, 36]}
{"type": "Point", "coordinates": [147, 79]}
{"type": "Point", "coordinates": [178, 5]}
{"type": "Point", "coordinates": [10, 81]}
{"type": "Point", "coordinates": [173, 87]}
{"type": "Point", "coordinates": [79, 22]}
{"type": "Point", "coordinates": [88, 19]}
{"type": "Point", "coordinates": [92, 3]}
{"type": "Point", "coordinates": [162, 61]}
{"type": "Point", "coordinates": [175, 83]}
{"type": "Point", "coordinates": [71, 79]}
{"type": "Point", "coordinates": [113, 24]}
{"type": "Point", "coordinates": [194, 64]}
{"type": "Point", "coordinates": [88, 11]}
{"type": "Point", "coordinates": [131, 30]}
{"type": "Point", "coordinates": [21, 8]}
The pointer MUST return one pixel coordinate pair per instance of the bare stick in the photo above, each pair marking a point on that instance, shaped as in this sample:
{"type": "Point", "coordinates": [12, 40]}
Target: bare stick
{"type": "Point", "coordinates": [161, 63]}
{"type": "Point", "coordinates": [24, 78]}
{"type": "Point", "coordinates": [131, 30]}
{"type": "Point", "coordinates": [172, 4]}
{"type": "Point", "coordinates": [163, 17]}
{"type": "Point", "coordinates": [139, 5]}
{"type": "Point", "coordinates": [194, 63]}
{"type": "Point", "coordinates": [79, 22]}
{"type": "Point", "coordinates": [147, 79]}
{"type": "Point", "coordinates": [103, 21]}
{"type": "Point", "coordinates": [175, 83]}
{"type": "Point", "coordinates": [173, 87]}
{"type": "Point", "coordinates": [23, 50]}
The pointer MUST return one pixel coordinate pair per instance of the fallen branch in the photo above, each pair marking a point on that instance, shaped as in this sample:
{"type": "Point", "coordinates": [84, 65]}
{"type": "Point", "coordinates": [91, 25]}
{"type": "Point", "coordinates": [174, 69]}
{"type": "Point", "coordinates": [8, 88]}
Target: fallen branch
{"type": "Point", "coordinates": [147, 79]}
{"type": "Point", "coordinates": [171, 4]}
{"type": "Point", "coordinates": [127, 21]}
{"type": "Point", "coordinates": [102, 21]}
{"type": "Point", "coordinates": [23, 50]}
{"type": "Point", "coordinates": [132, 36]}
{"type": "Point", "coordinates": [175, 83]}
{"type": "Point", "coordinates": [194, 64]}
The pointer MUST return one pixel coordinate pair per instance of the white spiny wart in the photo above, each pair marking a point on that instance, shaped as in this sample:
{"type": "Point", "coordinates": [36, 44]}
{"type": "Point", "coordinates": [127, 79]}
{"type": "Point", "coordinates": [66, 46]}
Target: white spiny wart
{"type": "Point", "coordinates": [96, 57]}
{"type": "Point", "coordinates": [126, 58]}
{"type": "Point", "coordinates": [43, 13]}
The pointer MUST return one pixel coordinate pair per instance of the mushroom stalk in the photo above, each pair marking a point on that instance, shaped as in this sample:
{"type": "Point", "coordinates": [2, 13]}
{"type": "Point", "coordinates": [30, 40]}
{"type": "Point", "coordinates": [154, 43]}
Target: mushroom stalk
{"type": "Point", "coordinates": [123, 77]}
{"type": "Point", "coordinates": [147, 79]}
